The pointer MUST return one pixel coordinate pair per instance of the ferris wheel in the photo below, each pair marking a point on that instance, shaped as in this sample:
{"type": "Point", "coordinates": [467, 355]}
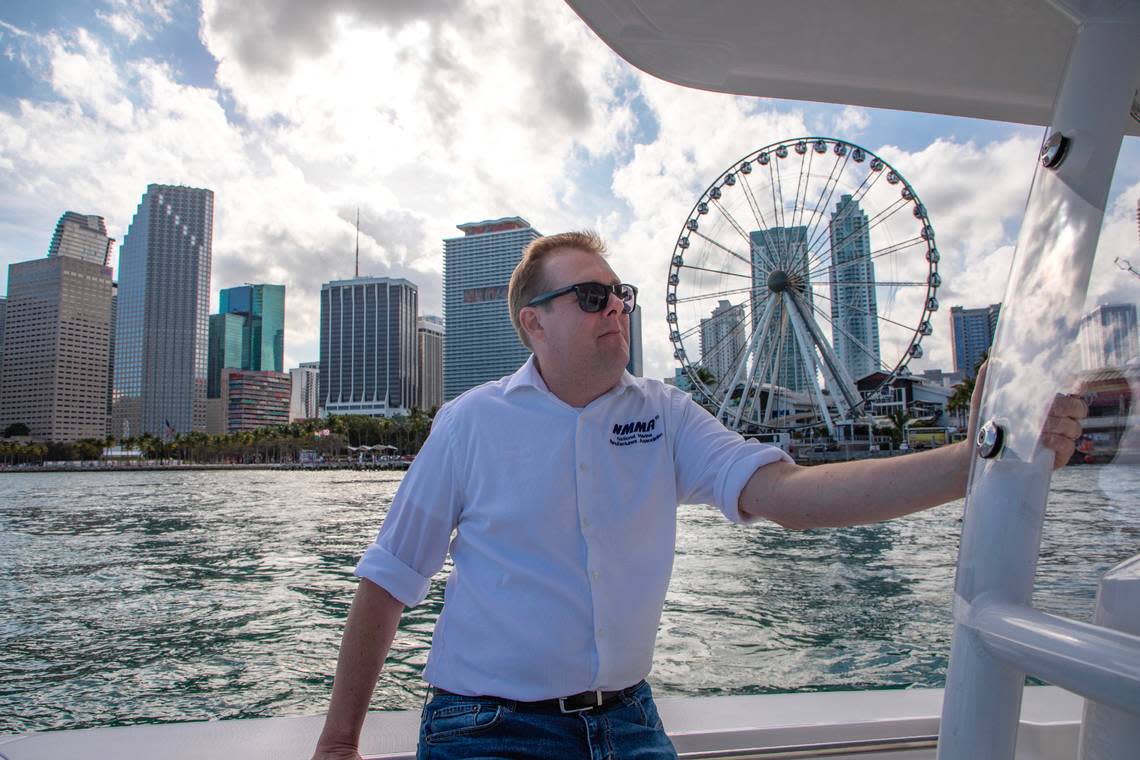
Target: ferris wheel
{"type": "Point", "coordinates": [802, 282]}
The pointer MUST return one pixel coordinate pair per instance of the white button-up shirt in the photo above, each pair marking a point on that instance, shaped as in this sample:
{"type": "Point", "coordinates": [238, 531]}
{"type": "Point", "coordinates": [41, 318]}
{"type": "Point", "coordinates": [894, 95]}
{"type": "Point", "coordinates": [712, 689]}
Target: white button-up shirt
{"type": "Point", "coordinates": [564, 522]}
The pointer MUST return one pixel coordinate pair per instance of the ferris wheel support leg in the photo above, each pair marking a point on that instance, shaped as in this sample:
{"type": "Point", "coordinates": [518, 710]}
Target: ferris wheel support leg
{"type": "Point", "coordinates": [1005, 504]}
{"type": "Point", "coordinates": [757, 365]}
{"type": "Point", "coordinates": [752, 351]}
{"type": "Point", "coordinates": [803, 342]}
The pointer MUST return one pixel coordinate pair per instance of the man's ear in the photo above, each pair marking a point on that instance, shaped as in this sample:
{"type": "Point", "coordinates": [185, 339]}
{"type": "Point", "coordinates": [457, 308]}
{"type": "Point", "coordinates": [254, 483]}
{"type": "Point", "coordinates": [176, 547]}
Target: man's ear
{"type": "Point", "coordinates": [531, 323]}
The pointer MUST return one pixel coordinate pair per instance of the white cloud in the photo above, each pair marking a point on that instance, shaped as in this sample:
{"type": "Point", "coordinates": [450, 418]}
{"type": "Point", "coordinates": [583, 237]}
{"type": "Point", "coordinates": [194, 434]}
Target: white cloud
{"type": "Point", "coordinates": [416, 120]}
{"type": "Point", "coordinates": [136, 19]}
{"type": "Point", "coordinates": [426, 115]}
{"type": "Point", "coordinates": [13, 29]}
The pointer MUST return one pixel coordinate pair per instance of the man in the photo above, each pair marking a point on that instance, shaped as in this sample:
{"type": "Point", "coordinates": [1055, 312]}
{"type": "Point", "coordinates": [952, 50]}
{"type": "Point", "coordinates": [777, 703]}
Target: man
{"type": "Point", "coordinates": [561, 484]}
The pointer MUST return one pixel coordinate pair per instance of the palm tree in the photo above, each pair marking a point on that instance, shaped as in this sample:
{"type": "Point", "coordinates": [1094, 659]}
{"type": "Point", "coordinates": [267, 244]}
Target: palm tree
{"type": "Point", "coordinates": [899, 420]}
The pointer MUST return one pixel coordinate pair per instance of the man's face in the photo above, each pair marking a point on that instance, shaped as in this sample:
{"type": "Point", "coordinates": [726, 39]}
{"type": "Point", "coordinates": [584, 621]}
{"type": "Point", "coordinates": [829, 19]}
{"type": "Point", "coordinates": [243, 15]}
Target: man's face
{"type": "Point", "coordinates": [573, 338]}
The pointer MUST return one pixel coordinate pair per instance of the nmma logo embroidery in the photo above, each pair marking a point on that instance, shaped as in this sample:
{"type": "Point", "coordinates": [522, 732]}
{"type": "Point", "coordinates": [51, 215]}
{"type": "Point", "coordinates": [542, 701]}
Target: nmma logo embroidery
{"type": "Point", "coordinates": [629, 433]}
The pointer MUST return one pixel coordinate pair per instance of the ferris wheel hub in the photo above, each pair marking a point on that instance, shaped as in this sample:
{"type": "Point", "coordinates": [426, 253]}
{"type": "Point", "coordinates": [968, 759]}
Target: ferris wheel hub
{"type": "Point", "coordinates": [779, 281]}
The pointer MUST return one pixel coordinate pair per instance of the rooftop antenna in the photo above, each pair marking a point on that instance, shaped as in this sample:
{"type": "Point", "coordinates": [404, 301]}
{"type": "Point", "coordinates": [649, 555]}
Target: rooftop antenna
{"type": "Point", "coordinates": [357, 241]}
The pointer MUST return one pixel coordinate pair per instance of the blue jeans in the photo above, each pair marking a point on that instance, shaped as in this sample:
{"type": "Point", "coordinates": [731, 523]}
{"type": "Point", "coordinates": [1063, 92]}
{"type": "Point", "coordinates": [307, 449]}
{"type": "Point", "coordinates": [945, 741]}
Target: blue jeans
{"type": "Point", "coordinates": [483, 728]}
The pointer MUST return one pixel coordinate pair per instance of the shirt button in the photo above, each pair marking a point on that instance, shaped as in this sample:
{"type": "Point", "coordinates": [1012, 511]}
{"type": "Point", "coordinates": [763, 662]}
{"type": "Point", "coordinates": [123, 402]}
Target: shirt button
{"type": "Point", "coordinates": [582, 467]}
{"type": "Point", "coordinates": [601, 633]}
{"type": "Point", "coordinates": [596, 575]}
{"type": "Point", "coordinates": [585, 522]}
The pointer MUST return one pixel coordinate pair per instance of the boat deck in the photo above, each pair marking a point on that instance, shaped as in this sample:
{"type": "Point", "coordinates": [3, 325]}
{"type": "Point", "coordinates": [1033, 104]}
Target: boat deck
{"type": "Point", "coordinates": [901, 724]}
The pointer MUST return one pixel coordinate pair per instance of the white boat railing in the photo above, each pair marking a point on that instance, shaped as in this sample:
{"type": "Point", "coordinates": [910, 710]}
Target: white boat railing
{"type": "Point", "coordinates": [998, 636]}
{"type": "Point", "coordinates": [819, 749]}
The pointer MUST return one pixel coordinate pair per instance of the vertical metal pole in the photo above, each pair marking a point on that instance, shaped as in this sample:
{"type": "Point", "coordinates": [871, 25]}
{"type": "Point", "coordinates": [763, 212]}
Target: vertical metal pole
{"type": "Point", "coordinates": [1005, 506]}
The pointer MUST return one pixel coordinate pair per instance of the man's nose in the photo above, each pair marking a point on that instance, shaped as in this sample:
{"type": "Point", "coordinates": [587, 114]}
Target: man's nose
{"type": "Point", "coordinates": [614, 303]}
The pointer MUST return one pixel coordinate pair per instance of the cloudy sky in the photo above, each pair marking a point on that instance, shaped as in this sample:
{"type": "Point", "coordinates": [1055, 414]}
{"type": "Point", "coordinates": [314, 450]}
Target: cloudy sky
{"type": "Point", "coordinates": [429, 113]}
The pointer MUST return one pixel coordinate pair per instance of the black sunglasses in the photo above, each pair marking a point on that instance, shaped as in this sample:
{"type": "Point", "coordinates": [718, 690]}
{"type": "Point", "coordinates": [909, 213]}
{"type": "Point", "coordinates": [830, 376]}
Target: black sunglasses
{"type": "Point", "coordinates": [593, 296]}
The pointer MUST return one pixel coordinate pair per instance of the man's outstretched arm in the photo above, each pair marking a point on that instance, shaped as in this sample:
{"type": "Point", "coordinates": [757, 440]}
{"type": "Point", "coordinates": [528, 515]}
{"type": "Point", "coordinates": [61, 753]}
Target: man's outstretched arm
{"type": "Point", "coordinates": [872, 490]}
{"type": "Point", "coordinates": [852, 493]}
{"type": "Point", "coordinates": [368, 635]}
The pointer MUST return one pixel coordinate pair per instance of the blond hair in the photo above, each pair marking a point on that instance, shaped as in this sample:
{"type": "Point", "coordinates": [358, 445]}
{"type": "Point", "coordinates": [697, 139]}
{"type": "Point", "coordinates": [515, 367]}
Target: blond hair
{"type": "Point", "coordinates": [528, 280]}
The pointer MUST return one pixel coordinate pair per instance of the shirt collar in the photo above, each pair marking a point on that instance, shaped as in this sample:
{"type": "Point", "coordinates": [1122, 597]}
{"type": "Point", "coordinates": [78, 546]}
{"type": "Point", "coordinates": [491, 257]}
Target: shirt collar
{"type": "Point", "coordinates": [528, 376]}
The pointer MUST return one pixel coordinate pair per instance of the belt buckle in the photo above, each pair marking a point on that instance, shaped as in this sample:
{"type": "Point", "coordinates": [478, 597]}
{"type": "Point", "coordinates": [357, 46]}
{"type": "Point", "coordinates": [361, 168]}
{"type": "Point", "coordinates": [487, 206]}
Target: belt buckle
{"type": "Point", "coordinates": [571, 711]}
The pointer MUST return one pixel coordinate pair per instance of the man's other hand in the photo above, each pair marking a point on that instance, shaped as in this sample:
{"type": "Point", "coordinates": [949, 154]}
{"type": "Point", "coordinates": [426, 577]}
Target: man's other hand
{"type": "Point", "coordinates": [1062, 427]}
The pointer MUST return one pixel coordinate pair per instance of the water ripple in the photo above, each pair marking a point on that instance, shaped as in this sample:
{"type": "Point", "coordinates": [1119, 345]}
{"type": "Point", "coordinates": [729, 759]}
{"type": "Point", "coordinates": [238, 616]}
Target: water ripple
{"type": "Point", "coordinates": [157, 597]}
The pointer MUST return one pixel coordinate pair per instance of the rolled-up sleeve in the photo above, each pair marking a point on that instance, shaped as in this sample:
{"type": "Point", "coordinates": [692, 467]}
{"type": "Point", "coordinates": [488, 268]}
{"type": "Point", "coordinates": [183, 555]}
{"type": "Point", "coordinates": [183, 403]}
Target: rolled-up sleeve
{"type": "Point", "coordinates": [713, 463]}
{"type": "Point", "coordinates": [413, 541]}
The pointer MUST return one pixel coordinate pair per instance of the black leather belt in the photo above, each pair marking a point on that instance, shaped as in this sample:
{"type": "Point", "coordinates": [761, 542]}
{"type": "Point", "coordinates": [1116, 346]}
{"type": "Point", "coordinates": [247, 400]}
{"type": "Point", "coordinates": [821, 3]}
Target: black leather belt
{"type": "Point", "coordinates": [575, 703]}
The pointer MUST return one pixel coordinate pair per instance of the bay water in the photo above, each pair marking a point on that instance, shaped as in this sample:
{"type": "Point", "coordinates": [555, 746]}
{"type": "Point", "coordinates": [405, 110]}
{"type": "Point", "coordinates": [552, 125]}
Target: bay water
{"type": "Point", "coordinates": [151, 597]}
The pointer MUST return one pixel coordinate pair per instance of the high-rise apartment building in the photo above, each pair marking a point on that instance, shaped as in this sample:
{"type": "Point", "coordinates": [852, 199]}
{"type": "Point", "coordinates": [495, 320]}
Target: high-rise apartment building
{"type": "Point", "coordinates": [82, 236]}
{"type": "Point", "coordinates": [972, 332]}
{"type": "Point", "coordinates": [430, 337]}
{"type": "Point", "coordinates": [481, 342]}
{"type": "Point", "coordinates": [368, 346]}
{"type": "Point", "coordinates": [1109, 337]}
{"type": "Point", "coordinates": [57, 338]}
{"type": "Point", "coordinates": [722, 341]}
{"type": "Point", "coordinates": [161, 335]}
{"type": "Point", "coordinates": [854, 306]}
{"type": "Point", "coordinates": [636, 365]}
{"type": "Point", "coordinates": [304, 386]}
{"type": "Point", "coordinates": [776, 250]}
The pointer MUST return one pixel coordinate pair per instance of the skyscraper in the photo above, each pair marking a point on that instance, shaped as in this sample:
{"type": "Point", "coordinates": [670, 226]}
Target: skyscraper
{"type": "Point", "coordinates": [3, 312]}
{"type": "Point", "coordinates": [481, 342]}
{"type": "Point", "coordinates": [264, 309]}
{"type": "Point", "coordinates": [635, 366]}
{"type": "Point", "coordinates": [854, 306]}
{"type": "Point", "coordinates": [304, 386]}
{"type": "Point", "coordinates": [57, 337]}
{"type": "Point", "coordinates": [722, 341]}
{"type": "Point", "coordinates": [163, 309]}
{"type": "Point", "coordinates": [368, 346]}
{"type": "Point", "coordinates": [227, 349]}
{"type": "Point", "coordinates": [1108, 336]}
{"type": "Point", "coordinates": [430, 334]}
{"type": "Point", "coordinates": [247, 333]}
{"type": "Point", "coordinates": [82, 236]}
{"type": "Point", "coordinates": [111, 353]}
{"type": "Point", "coordinates": [972, 332]}
{"type": "Point", "coordinates": [776, 250]}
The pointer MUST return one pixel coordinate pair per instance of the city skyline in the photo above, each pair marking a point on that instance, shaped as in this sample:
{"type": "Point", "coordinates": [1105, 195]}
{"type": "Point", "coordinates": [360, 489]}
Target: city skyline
{"type": "Point", "coordinates": [94, 106]}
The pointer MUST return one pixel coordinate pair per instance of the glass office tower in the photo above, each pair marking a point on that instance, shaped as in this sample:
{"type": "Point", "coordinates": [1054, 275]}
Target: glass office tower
{"type": "Point", "coordinates": [481, 342]}
{"type": "Point", "coordinates": [264, 305]}
{"type": "Point", "coordinates": [162, 314]}
{"type": "Point", "coordinates": [368, 346]}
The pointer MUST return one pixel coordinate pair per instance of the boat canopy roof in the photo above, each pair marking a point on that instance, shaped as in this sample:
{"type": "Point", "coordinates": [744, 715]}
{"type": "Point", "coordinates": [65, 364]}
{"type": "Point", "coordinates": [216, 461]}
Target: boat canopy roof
{"type": "Point", "coordinates": [999, 61]}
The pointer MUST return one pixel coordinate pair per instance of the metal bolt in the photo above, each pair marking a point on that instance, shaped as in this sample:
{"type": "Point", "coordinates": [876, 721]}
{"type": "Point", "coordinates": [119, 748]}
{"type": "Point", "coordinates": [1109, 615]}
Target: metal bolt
{"type": "Point", "coordinates": [991, 439]}
{"type": "Point", "coordinates": [1053, 150]}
